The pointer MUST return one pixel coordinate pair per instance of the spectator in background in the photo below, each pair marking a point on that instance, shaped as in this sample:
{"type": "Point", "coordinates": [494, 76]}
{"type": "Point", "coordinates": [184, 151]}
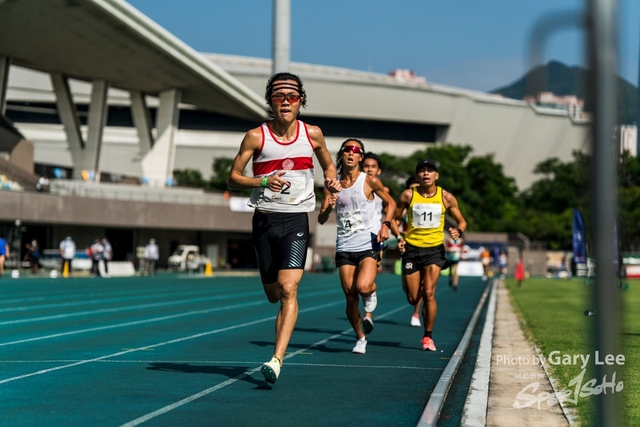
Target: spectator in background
{"type": "Point", "coordinates": [67, 252]}
{"type": "Point", "coordinates": [34, 255]}
{"type": "Point", "coordinates": [4, 253]}
{"type": "Point", "coordinates": [43, 183]}
{"type": "Point", "coordinates": [454, 248]}
{"type": "Point", "coordinates": [564, 267]}
{"type": "Point", "coordinates": [485, 257]}
{"type": "Point", "coordinates": [97, 255]}
{"type": "Point", "coordinates": [520, 276]}
{"type": "Point", "coordinates": [151, 256]}
{"type": "Point", "coordinates": [503, 262]}
{"type": "Point", "coordinates": [108, 254]}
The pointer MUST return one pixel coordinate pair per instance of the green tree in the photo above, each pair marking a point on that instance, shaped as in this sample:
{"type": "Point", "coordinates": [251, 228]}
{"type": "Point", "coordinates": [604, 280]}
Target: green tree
{"type": "Point", "coordinates": [487, 197]}
{"type": "Point", "coordinates": [189, 178]}
{"type": "Point", "coordinates": [221, 168]}
{"type": "Point", "coordinates": [492, 197]}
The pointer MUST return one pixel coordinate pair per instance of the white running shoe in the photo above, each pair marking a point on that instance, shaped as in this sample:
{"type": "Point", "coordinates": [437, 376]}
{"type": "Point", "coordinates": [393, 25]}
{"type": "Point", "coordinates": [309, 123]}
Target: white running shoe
{"type": "Point", "coordinates": [361, 346]}
{"type": "Point", "coordinates": [415, 320]}
{"type": "Point", "coordinates": [271, 370]}
{"type": "Point", "coordinates": [370, 302]}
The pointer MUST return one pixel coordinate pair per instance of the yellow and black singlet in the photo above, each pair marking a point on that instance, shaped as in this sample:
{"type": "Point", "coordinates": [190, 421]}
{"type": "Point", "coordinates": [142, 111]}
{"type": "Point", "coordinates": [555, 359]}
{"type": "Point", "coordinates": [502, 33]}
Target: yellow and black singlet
{"type": "Point", "coordinates": [426, 220]}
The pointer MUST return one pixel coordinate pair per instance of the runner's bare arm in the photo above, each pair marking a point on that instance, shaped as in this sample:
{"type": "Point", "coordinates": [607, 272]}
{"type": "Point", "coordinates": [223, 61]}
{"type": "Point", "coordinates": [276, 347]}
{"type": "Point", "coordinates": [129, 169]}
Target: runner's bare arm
{"type": "Point", "coordinates": [324, 157]}
{"type": "Point", "coordinates": [403, 204]}
{"type": "Point", "coordinates": [328, 204]}
{"type": "Point", "coordinates": [451, 204]}
{"type": "Point", "coordinates": [251, 143]}
{"type": "Point", "coordinates": [389, 207]}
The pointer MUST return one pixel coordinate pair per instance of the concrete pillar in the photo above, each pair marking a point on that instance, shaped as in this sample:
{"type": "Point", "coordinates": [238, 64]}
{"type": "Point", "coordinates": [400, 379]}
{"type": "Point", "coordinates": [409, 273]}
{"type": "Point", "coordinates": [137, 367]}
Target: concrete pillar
{"type": "Point", "coordinates": [69, 118]}
{"type": "Point", "coordinates": [281, 35]}
{"type": "Point", "coordinates": [5, 64]}
{"type": "Point", "coordinates": [142, 120]}
{"type": "Point", "coordinates": [157, 164]}
{"type": "Point", "coordinates": [98, 111]}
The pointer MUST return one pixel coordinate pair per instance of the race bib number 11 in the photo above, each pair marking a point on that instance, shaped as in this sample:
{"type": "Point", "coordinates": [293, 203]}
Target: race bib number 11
{"type": "Point", "coordinates": [427, 215]}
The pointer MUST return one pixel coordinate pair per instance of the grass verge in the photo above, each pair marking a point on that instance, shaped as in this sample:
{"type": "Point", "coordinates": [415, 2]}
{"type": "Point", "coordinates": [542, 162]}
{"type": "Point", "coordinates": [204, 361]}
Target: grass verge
{"type": "Point", "coordinates": [552, 314]}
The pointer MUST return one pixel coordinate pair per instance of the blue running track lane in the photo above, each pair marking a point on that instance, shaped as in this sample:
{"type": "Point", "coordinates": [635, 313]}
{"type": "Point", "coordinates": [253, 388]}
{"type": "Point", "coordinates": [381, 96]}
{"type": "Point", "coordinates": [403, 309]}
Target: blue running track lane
{"type": "Point", "coordinates": [170, 350]}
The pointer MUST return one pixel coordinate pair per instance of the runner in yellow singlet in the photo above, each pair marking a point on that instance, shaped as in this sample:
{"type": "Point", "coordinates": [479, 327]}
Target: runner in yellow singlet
{"type": "Point", "coordinates": [422, 247]}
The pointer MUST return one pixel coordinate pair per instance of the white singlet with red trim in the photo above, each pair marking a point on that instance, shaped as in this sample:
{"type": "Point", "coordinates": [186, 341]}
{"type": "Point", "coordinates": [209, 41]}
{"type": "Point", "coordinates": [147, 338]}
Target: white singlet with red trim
{"type": "Point", "coordinates": [296, 159]}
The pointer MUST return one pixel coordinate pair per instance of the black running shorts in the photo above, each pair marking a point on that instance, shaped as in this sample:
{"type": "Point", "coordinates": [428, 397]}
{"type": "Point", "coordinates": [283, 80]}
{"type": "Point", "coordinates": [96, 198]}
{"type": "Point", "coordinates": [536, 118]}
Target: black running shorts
{"type": "Point", "coordinates": [354, 258]}
{"type": "Point", "coordinates": [280, 241]}
{"type": "Point", "coordinates": [415, 258]}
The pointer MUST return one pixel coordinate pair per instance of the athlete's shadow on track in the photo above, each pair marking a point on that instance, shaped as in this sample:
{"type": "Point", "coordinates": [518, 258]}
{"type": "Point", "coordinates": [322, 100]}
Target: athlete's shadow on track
{"type": "Point", "coordinates": [323, 348]}
{"type": "Point", "coordinates": [229, 371]}
{"type": "Point", "coordinates": [347, 340]}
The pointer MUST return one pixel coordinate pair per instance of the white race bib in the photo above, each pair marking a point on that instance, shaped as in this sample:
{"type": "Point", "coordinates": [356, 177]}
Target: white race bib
{"type": "Point", "coordinates": [427, 215]}
{"type": "Point", "coordinates": [350, 223]}
{"type": "Point", "coordinates": [291, 194]}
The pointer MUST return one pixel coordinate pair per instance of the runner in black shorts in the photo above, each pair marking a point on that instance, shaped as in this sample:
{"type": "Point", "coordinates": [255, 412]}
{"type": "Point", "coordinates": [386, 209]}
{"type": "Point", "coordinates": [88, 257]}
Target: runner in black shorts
{"type": "Point", "coordinates": [414, 258]}
{"type": "Point", "coordinates": [282, 194]}
{"type": "Point", "coordinates": [359, 235]}
{"type": "Point", "coordinates": [354, 258]}
{"type": "Point", "coordinates": [423, 244]}
{"type": "Point", "coordinates": [281, 242]}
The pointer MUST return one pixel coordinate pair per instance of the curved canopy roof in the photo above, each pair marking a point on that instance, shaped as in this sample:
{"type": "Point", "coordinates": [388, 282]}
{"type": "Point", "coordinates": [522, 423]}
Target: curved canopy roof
{"type": "Point", "coordinates": [109, 39]}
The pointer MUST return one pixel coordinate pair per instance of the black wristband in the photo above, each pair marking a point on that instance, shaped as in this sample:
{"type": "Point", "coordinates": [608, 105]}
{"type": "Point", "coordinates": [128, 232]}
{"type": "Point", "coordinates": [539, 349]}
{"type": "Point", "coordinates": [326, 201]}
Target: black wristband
{"type": "Point", "coordinates": [387, 223]}
{"type": "Point", "coordinates": [459, 232]}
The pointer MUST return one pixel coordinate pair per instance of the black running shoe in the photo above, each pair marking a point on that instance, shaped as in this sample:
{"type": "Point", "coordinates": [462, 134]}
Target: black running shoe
{"type": "Point", "coordinates": [367, 325]}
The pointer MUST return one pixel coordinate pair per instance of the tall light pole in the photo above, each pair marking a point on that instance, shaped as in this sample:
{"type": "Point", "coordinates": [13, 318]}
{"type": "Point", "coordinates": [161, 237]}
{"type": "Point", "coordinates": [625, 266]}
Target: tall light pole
{"type": "Point", "coordinates": [603, 60]}
{"type": "Point", "coordinates": [281, 35]}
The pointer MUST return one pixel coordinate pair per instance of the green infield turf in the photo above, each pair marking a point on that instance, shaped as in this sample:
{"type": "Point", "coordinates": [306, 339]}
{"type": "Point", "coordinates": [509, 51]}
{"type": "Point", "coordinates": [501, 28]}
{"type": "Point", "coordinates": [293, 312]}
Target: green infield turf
{"type": "Point", "coordinates": [553, 317]}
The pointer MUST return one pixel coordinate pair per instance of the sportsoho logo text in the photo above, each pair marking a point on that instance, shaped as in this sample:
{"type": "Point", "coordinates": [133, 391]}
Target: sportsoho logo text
{"type": "Point", "coordinates": [577, 387]}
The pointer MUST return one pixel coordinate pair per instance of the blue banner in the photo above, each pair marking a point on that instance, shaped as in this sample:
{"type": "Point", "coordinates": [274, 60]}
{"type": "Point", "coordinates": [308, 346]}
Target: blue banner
{"type": "Point", "coordinates": [616, 249]}
{"type": "Point", "coordinates": [579, 241]}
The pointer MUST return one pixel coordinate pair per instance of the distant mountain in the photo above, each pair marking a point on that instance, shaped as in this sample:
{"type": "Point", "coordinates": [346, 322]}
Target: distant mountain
{"type": "Point", "coordinates": [561, 79]}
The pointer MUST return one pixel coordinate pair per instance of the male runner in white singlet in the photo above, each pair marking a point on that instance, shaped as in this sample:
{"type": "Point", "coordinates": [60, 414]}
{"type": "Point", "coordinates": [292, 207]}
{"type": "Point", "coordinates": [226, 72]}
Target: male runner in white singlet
{"type": "Point", "coordinates": [282, 194]}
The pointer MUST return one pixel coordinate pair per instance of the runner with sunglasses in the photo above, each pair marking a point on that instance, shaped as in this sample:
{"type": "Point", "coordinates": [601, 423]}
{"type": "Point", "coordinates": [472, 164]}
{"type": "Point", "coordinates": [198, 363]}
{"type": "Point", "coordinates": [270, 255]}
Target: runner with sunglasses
{"type": "Point", "coordinates": [359, 238]}
{"type": "Point", "coordinates": [423, 254]}
{"type": "Point", "coordinates": [282, 194]}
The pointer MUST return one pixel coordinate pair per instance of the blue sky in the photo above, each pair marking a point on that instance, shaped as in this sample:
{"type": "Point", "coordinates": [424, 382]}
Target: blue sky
{"type": "Point", "coordinates": [471, 44]}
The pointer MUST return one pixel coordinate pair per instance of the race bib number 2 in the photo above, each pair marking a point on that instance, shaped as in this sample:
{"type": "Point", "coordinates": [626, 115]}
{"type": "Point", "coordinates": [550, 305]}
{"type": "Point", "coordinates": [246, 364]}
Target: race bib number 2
{"type": "Point", "coordinates": [291, 193]}
{"type": "Point", "coordinates": [427, 215]}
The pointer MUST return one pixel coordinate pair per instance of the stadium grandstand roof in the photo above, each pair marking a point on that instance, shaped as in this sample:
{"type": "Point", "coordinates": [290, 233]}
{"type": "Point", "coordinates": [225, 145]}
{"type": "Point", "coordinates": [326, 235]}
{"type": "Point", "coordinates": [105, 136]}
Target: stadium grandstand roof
{"type": "Point", "coordinates": [111, 40]}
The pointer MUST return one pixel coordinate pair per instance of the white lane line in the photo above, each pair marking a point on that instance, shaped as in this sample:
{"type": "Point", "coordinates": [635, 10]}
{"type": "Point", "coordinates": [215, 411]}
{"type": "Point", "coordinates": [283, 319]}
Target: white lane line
{"type": "Point", "coordinates": [129, 308]}
{"type": "Point", "coordinates": [475, 408]}
{"type": "Point", "coordinates": [191, 398]}
{"type": "Point", "coordinates": [432, 410]}
{"type": "Point", "coordinates": [143, 306]}
{"type": "Point", "coordinates": [138, 322]}
{"type": "Point", "coordinates": [231, 362]}
{"type": "Point", "coordinates": [58, 296]}
{"type": "Point", "coordinates": [154, 319]}
{"type": "Point", "coordinates": [150, 295]}
{"type": "Point", "coordinates": [177, 340]}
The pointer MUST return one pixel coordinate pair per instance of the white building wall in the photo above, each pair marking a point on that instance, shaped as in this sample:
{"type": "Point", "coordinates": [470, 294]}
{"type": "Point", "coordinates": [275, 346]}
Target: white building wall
{"type": "Point", "coordinates": [629, 140]}
{"type": "Point", "coordinates": [519, 135]}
